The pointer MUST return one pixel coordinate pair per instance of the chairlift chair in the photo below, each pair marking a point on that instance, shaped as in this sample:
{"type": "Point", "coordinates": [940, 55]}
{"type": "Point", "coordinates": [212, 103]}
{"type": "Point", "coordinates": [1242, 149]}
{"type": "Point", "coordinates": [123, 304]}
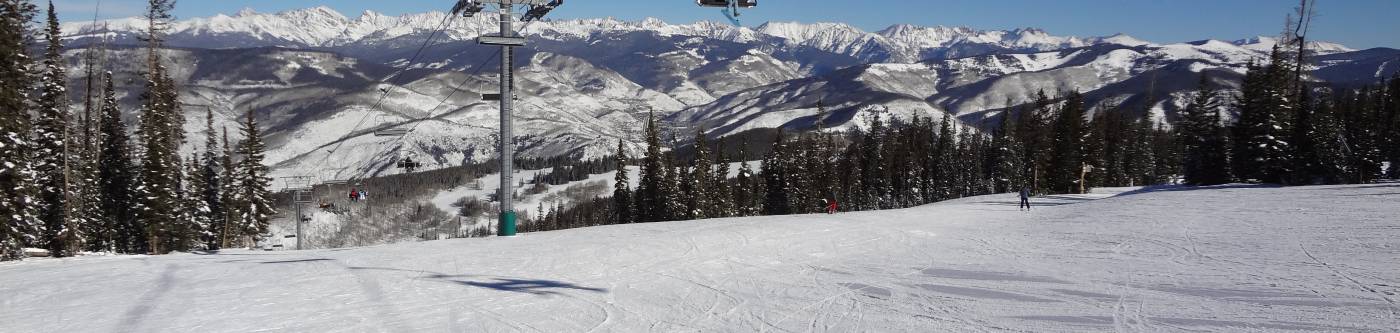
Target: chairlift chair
{"type": "Point", "coordinates": [408, 164]}
{"type": "Point", "coordinates": [730, 8]}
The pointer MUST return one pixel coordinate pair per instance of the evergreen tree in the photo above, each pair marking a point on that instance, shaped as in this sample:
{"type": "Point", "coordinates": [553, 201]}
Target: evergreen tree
{"type": "Point", "coordinates": [775, 196]}
{"type": "Point", "coordinates": [875, 176]}
{"type": "Point", "coordinates": [1067, 162]}
{"type": "Point", "coordinates": [745, 188]}
{"type": "Point", "coordinates": [18, 226]}
{"type": "Point", "coordinates": [622, 192]}
{"type": "Point", "coordinates": [228, 225]}
{"type": "Point", "coordinates": [649, 193]}
{"type": "Point", "coordinates": [51, 144]}
{"type": "Point", "coordinates": [1139, 164]}
{"type": "Point", "coordinates": [673, 199]}
{"type": "Point", "coordinates": [851, 194]}
{"type": "Point", "coordinates": [1360, 114]}
{"type": "Point", "coordinates": [1204, 139]}
{"type": "Point", "coordinates": [1390, 114]}
{"type": "Point", "coordinates": [116, 179]}
{"type": "Point", "coordinates": [1166, 152]}
{"type": "Point", "coordinates": [197, 221]}
{"type": "Point", "coordinates": [254, 198]}
{"type": "Point", "coordinates": [211, 189]}
{"type": "Point", "coordinates": [942, 162]}
{"type": "Point", "coordinates": [723, 204]}
{"type": "Point", "coordinates": [1319, 149]}
{"type": "Point", "coordinates": [162, 133]}
{"type": "Point", "coordinates": [1032, 126]}
{"type": "Point", "coordinates": [1262, 151]}
{"type": "Point", "coordinates": [1005, 157]}
{"type": "Point", "coordinates": [700, 197]}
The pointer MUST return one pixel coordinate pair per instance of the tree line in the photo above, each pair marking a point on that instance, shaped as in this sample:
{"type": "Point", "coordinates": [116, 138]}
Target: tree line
{"type": "Point", "coordinates": [77, 181]}
{"type": "Point", "coordinates": [1283, 132]}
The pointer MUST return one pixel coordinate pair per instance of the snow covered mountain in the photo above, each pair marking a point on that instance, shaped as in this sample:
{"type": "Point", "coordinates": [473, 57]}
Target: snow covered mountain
{"type": "Point", "coordinates": [316, 75]}
{"type": "Point", "coordinates": [323, 27]}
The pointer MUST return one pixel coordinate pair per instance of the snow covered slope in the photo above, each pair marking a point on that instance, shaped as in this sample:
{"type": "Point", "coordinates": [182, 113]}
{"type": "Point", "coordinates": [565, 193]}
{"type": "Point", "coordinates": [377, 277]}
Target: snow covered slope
{"type": "Point", "coordinates": [1168, 259]}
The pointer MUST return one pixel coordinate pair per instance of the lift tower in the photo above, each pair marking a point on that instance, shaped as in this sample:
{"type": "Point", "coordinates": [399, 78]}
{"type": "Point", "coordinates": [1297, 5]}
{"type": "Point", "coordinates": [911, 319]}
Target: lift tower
{"type": "Point", "coordinates": [507, 40]}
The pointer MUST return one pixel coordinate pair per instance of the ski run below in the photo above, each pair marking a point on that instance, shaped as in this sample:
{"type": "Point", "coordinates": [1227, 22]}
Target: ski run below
{"type": "Point", "coordinates": [1228, 258]}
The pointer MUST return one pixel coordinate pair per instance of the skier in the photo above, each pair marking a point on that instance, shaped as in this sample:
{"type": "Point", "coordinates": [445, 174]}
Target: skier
{"type": "Point", "coordinates": [830, 206]}
{"type": "Point", "coordinates": [1025, 199]}
{"type": "Point", "coordinates": [354, 195]}
{"type": "Point", "coordinates": [364, 195]}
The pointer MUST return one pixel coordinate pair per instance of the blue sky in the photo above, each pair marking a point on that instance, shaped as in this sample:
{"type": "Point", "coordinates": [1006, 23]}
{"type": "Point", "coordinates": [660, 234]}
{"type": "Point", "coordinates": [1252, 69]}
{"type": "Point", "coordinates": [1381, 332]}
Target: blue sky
{"type": "Point", "coordinates": [1356, 23]}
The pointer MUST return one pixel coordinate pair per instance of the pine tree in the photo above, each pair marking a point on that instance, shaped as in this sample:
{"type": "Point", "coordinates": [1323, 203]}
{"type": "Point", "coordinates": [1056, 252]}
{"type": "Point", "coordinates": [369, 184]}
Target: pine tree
{"type": "Point", "coordinates": [162, 133]}
{"type": "Point", "coordinates": [228, 225]}
{"type": "Point", "coordinates": [775, 195]}
{"type": "Point", "coordinates": [197, 219]}
{"type": "Point", "coordinates": [211, 191]}
{"type": "Point", "coordinates": [852, 195]}
{"type": "Point", "coordinates": [116, 179]}
{"type": "Point", "coordinates": [1005, 157]}
{"type": "Point", "coordinates": [1360, 114]}
{"type": "Point", "coordinates": [1205, 141]}
{"type": "Point", "coordinates": [1166, 152]}
{"type": "Point", "coordinates": [1262, 151]}
{"type": "Point", "coordinates": [51, 144]}
{"type": "Point", "coordinates": [745, 186]}
{"type": "Point", "coordinates": [700, 197]}
{"type": "Point", "coordinates": [722, 204]}
{"type": "Point", "coordinates": [1139, 164]}
{"type": "Point", "coordinates": [622, 192]}
{"type": "Point", "coordinates": [649, 199]}
{"type": "Point", "coordinates": [253, 196]}
{"type": "Point", "coordinates": [1067, 155]}
{"type": "Point", "coordinates": [1319, 155]}
{"type": "Point", "coordinates": [673, 197]}
{"type": "Point", "coordinates": [875, 171]}
{"type": "Point", "coordinates": [18, 226]}
{"type": "Point", "coordinates": [1390, 113]}
{"type": "Point", "coordinates": [1032, 126]}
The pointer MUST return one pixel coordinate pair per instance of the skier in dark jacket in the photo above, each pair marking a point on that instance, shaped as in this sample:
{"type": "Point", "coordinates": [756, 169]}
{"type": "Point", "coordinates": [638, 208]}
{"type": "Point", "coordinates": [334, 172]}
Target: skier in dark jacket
{"type": "Point", "coordinates": [1025, 199]}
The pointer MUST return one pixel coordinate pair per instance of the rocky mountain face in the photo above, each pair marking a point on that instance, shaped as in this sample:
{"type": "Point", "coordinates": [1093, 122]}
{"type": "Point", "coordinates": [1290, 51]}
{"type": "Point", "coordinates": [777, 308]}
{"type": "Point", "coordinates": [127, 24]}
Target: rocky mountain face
{"type": "Point", "coordinates": [315, 78]}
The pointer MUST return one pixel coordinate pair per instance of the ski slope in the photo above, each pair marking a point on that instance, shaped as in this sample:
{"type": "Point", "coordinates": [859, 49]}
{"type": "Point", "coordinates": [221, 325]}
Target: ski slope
{"type": "Point", "coordinates": [1233, 258]}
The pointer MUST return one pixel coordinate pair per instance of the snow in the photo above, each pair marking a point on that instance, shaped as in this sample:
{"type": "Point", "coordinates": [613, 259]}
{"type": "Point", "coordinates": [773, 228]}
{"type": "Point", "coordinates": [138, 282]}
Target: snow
{"type": "Point", "coordinates": [1163, 259]}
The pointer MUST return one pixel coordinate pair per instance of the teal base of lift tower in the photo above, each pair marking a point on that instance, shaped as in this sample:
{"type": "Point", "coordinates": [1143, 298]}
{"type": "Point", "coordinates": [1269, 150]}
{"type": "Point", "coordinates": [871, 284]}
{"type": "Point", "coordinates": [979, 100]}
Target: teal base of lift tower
{"type": "Point", "coordinates": [507, 224]}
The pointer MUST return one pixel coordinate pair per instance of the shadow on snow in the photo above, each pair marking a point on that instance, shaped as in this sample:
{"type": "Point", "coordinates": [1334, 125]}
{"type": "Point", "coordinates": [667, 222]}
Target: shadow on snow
{"type": "Point", "coordinates": [539, 287]}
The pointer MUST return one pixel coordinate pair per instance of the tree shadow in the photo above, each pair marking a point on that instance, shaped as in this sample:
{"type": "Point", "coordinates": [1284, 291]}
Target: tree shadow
{"type": "Point", "coordinates": [1033, 203]}
{"type": "Point", "coordinates": [1181, 188]}
{"type": "Point", "coordinates": [539, 287]}
{"type": "Point", "coordinates": [137, 315]}
{"type": "Point", "coordinates": [1341, 188]}
{"type": "Point", "coordinates": [295, 261]}
{"type": "Point", "coordinates": [534, 287]}
{"type": "Point", "coordinates": [1370, 194]}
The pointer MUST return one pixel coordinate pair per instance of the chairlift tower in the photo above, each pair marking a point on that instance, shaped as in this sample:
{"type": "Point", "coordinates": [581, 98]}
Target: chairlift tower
{"type": "Point", "coordinates": [508, 39]}
{"type": "Point", "coordinates": [300, 187]}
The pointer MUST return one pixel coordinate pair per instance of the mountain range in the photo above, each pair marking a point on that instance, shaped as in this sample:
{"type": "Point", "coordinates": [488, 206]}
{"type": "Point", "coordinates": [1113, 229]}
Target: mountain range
{"type": "Point", "coordinates": [315, 78]}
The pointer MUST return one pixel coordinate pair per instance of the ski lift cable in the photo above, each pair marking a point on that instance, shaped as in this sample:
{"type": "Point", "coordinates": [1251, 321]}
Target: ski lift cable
{"type": "Point", "coordinates": [419, 121]}
{"type": "Point", "coordinates": [441, 102]}
{"type": "Point", "coordinates": [430, 41]}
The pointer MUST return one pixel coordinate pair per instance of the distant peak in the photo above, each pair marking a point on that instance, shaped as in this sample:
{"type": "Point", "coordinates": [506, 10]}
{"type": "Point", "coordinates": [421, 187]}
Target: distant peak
{"type": "Point", "coordinates": [318, 10]}
{"type": "Point", "coordinates": [245, 12]}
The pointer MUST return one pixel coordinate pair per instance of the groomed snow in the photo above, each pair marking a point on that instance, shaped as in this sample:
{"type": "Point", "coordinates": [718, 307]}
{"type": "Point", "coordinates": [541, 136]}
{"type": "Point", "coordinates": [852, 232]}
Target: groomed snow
{"type": "Point", "coordinates": [1233, 258]}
